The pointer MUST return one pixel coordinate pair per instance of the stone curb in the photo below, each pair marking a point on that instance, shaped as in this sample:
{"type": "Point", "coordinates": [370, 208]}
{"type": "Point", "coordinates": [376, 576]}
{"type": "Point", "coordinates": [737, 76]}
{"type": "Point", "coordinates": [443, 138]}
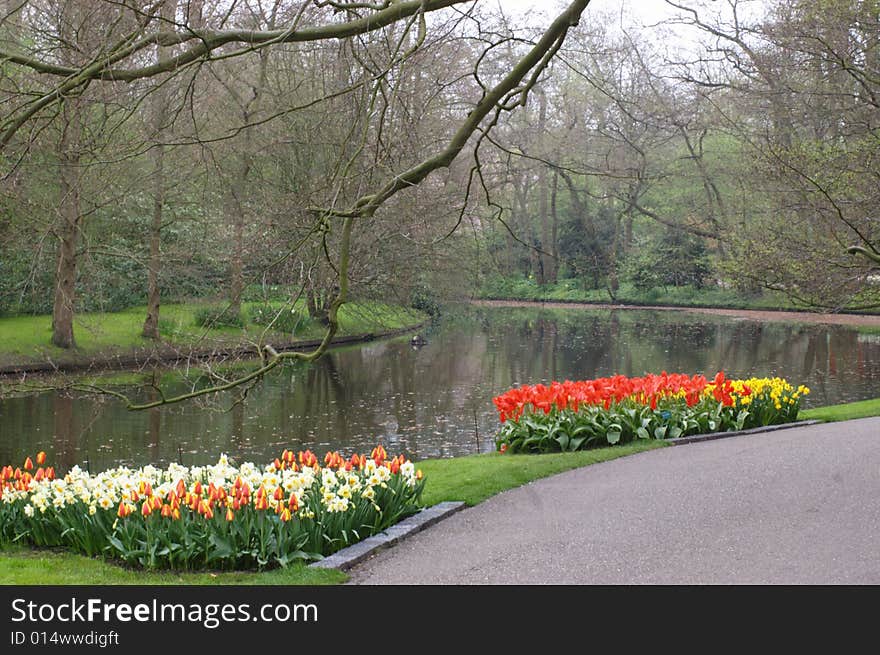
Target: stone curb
{"type": "Point", "coordinates": [357, 553]}
{"type": "Point", "coordinates": [697, 438]}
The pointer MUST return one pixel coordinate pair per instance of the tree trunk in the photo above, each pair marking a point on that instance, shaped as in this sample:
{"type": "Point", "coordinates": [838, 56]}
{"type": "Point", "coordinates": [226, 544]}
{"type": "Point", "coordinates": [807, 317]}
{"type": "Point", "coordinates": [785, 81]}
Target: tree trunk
{"type": "Point", "coordinates": [69, 213]}
{"type": "Point", "coordinates": [160, 103]}
{"type": "Point", "coordinates": [235, 208]}
{"type": "Point", "coordinates": [554, 230]}
{"type": "Point", "coordinates": [151, 324]}
{"type": "Point", "coordinates": [546, 275]}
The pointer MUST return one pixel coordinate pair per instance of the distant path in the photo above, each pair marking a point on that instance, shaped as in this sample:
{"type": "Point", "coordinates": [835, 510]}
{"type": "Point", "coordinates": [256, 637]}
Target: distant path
{"type": "Point", "coordinates": [753, 314]}
{"type": "Point", "coordinates": [788, 507]}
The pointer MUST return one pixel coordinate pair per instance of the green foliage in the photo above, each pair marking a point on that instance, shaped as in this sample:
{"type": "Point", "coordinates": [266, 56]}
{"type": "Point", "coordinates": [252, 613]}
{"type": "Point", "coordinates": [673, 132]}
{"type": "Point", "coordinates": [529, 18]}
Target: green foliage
{"type": "Point", "coordinates": [284, 318]}
{"type": "Point", "coordinates": [677, 259]}
{"type": "Point", "coordinates": [570, 290]}
{"type": "Point", "coordinates": [218, 316]}
{"type": "Point", "coordinates": [622, 422]}
{"type": "Point", "coordinates": [266, 293]}
{"type": "Point", "coordinates": [424, 299]}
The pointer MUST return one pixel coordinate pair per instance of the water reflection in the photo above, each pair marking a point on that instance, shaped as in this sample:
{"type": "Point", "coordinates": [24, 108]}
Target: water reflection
{"type": "Point", "coordinates": [435, 401]}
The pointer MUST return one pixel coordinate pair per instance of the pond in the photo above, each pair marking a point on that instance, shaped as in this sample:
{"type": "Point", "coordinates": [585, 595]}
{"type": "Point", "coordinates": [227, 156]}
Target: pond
{"type": "Point", "coordinates": [436, 400]}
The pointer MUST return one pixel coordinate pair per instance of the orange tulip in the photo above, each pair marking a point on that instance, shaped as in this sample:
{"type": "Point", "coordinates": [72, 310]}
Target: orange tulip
{"type": "Point", "coordinates": [41, 458]}
{"type": "Point", "coordinates": [293, 503]}
{"type": "Point", "coordinates": [17, 474]}
{"type": "Point", "coordinates": [39, 474]}
{"type": "Point", "coordinates": [28, 464]}
{"type": "Point", "coordinates": [166, 511]}
{"type": "Point", "coordinates": [285, 515]}
{"type": "Point", "coordinates": [50, 472]}
{"type": "Point", "coordinates": [147, 509]}
{"type": "Point", "coordinates": [229, 514]}
{"type": "Point", "coordinates": [197, 489]}
{"type": "Point", "coordinates": [175, 514]}
{"type": "Point", "coordinates": [124, 509]}
{"type": "Point", "coordinates": [261, 503]}
{"type": "Point", "coordinates": [277, 464]}
{"type": "Point", "coordinates": [419, 474]}
{"type": "Point", "coordinates": [279, 493]}
{"type": "Point", "coordinates": [378, 455]}
{"type": "Point", "coordinates": [181, 488]}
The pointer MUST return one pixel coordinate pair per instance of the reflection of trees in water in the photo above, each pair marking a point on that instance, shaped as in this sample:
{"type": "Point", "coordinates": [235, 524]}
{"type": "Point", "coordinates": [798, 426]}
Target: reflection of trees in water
{"type": "Point", "coordinates": [64, 434]}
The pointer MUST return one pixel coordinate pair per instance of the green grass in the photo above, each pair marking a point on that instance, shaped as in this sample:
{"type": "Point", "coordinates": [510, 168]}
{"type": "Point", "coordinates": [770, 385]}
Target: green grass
{"type": "Point", "coordinates": [23, 566]}
{"type": "Point", "coordinates": [28, 338]}
{"type": "Point", "coordinates": [475, 478]}
{"type": "Point", "coordinates": [845, 412]}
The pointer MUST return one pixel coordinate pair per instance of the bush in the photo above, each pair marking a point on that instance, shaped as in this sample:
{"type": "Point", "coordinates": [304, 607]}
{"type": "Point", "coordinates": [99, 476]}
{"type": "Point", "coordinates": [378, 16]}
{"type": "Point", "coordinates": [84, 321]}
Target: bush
{"type": "Point", "coordinates": [218, 316]}
{"type": "Point", "coordinates": [286, 319]}
{"type": "Point", "coordinates": [425, 300]}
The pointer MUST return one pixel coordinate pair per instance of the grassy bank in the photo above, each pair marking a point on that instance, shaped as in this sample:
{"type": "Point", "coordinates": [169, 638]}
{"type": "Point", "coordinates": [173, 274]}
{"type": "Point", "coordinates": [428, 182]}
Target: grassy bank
{"type": "Point", "coordinates": [28, 338]}
{"type": "Point", "coordinates": [570, 291]}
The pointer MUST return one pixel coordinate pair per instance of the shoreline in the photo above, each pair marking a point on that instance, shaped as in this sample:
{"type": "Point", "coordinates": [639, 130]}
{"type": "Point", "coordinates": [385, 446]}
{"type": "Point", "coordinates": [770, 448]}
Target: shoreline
{"type": "Point", "coordinates": [853, 320]}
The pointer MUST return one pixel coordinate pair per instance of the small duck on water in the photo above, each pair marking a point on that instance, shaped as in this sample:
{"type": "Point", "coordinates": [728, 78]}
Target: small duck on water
{"type": "Point", "coordinates": [418, 341]}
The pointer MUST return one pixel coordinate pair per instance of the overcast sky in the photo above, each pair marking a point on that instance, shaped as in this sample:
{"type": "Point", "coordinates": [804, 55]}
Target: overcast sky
{"type": "Point", "coordinates": [646, 11]}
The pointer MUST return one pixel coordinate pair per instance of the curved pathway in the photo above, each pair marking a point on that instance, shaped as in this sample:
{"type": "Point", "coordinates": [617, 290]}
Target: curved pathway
{"type": "Point", "coordinates": [800, 505]}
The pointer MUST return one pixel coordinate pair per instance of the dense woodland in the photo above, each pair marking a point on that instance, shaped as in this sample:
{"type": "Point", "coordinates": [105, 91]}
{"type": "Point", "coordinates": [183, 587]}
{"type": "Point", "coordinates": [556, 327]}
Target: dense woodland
{"type": "Point", "coordinates": [410, 151]}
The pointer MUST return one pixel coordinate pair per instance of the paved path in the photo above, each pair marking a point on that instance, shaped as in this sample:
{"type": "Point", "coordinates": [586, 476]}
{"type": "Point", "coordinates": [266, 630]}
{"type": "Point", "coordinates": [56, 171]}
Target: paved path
{"type": "Point", "coordinates": [800, 505]}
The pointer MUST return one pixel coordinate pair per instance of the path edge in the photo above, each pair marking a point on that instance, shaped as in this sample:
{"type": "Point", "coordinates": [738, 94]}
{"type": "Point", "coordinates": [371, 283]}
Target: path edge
{"type": "Point", "coordinates": [712, 436]}
{"type": "Point", "coordinates": [357, 553]}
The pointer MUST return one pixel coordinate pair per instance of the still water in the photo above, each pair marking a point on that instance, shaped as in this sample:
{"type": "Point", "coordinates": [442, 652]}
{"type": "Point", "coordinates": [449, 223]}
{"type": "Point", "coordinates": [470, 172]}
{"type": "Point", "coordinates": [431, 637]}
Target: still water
{"type": "Point", "coordinates": [436, 401]}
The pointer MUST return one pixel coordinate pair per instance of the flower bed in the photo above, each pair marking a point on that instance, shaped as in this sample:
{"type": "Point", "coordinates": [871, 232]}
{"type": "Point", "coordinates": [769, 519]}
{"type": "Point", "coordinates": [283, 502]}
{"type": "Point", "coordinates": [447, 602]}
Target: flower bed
{"type": "Point", "coordinates": [219, 517]}
{"type": "Point", "coordinates": [567, 416]}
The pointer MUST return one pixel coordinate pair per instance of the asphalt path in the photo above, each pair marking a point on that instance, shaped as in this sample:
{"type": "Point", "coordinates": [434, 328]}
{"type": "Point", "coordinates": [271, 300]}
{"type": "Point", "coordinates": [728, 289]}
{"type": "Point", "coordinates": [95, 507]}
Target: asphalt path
{"type": "Point", "coordinates": [795, 506]}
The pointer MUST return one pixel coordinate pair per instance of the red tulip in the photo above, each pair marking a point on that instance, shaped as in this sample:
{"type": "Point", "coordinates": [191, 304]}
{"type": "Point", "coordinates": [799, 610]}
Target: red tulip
{"type": "Point", "coordinates": [147, 509]}
{"type": "Point", "coordinates": [41, 458]}
{"type": "Point", "coordinates": [28, 464]}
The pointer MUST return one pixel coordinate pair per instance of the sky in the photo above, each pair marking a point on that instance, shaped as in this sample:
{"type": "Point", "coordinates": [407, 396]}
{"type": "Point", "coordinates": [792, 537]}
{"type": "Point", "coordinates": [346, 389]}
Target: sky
{"type": "Point", "coordinates": [645, 11]}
